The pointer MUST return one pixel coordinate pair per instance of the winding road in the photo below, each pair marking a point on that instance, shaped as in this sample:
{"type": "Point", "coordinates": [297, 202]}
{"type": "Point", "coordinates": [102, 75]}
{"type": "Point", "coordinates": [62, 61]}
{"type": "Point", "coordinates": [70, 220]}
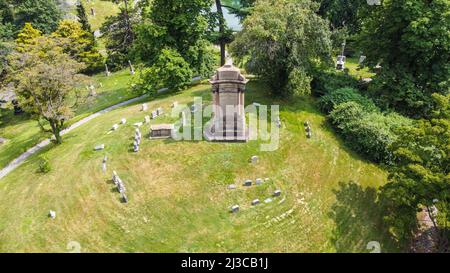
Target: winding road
{"type": "Point", "coordinates": [18, 161]}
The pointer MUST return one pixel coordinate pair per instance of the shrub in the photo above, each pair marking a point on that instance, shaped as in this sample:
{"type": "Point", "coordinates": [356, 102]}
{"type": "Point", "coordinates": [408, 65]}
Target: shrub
{"type": "Point", "coordinates": [370, 133]}
{"type": "Point", "coordinates": [333, 98]}
{"type": "Point", "coordinates": [170, 70]}
{"type": "Point", "coordinates": [325, 81]}
{"type": "Point", "coordinates": [44, 165]}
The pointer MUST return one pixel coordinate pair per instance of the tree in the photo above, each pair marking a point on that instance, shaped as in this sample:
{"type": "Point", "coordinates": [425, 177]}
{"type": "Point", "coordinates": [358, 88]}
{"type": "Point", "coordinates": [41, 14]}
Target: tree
{"type": "Point", "coordinates": [120, 36]}
{"type": "Point", "coordinates": [410, 37]}
{"type": "Point", "coordinates": [169, 71]}
{"type": "Point", "coordinates": [282, 42]}
{"type": "Point", "coordinates": [6, 21]}
{"type": "Point", "coordinates": [43, 14]}
{"type": "Point", "coordinates": [179, 25]}
{"type": "Point", "coordinates": [81, 45]}
{"type": "Point", "coordinates": [82, 17]}
{"type": "Point", "coordinates": [345, 13]}
{"type": "Point", "coordinates": [27, 36]}
{"type": "Point", "coordinates": [420, 176]}
{"type": "Point", "coordinates": [46, 80]}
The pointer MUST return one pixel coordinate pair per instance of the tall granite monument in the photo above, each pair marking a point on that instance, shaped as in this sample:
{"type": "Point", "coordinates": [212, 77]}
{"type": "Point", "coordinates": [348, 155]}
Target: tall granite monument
{"type": "Point", "coordinates": [228, 87]}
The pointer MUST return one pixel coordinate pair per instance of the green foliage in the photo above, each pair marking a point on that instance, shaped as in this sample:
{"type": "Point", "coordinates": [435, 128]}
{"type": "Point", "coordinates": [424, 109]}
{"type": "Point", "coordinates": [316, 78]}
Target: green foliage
{"type": "Point", "coordinates": [332, 99]}
{"type": "Point", "coordinates": [82, 17]}
{"type": "Point", "coordinates": [119, 35]}
{"type": "Point", "coordinates": [179, 25]}
{"type": "Point", "coordinates": [45, 80]}
{"type": "Point", "coordinates": [43, 14]}
{"type": "Point", "coordinates": [27, 36]}
{"type": "Point", "coordinates": [411, 39]}
{"type": "Point", "coordinates": [420, 176]}
{"type": "Point", "coordinates": [170, 70]}
{"type": "Point", "coordinates": [326, 81]}
{"type": "Point", "coordinates": [44, 165]}
{"type": "Point", "coordinates": [283, 40]}
{"type": "Point", "coordinates": [345, 13]}
{"type": "Point", "coordinates": [81, 45]}
{"type": "Point", "coordinates": [369, 133]}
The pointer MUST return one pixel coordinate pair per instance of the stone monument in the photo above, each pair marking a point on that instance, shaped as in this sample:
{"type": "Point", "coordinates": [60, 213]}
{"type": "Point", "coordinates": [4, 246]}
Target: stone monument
{"type": "Point", "coordinates": [228, 87]}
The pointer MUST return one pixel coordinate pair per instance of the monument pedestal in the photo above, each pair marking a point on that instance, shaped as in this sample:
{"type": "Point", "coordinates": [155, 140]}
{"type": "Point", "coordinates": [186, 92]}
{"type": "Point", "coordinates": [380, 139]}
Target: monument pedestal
{"type": "Point", "coordinates": [228, 87]}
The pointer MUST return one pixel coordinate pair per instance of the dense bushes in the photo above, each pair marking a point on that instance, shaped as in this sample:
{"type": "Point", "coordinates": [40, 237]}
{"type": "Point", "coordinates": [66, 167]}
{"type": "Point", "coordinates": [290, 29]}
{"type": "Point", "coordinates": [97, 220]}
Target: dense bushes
{"type": "Point", "coordinates": [325, 81]}
{"type": "Point", "coordinates": [370, 133]}
{"type": "Point", "coordinates": [342, 95]}
{"type": "Point", "coordinates": [170, 70]}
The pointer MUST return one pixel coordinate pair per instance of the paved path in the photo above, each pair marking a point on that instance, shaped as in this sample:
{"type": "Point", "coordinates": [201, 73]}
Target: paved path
{"type": "Point", "coordinates": [18, 161]}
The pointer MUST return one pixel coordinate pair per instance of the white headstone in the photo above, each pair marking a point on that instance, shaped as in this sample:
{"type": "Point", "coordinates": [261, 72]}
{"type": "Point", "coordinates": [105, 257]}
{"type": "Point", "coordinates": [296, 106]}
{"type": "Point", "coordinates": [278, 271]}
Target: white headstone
{"type": "Point", "coordinates": [123, 121]}
{"type": "Point", "coordinates": [115, 127]}
{"type": "Point", "coordinates": [144, 107]}
{"type": "Point", "coordinates": [52, 214]}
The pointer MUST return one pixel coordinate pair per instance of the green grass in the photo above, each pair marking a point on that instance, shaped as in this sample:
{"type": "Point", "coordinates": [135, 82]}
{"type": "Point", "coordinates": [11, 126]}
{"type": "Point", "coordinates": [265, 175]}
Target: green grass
{"type": "Point", "coordinates": [177, 190]}
{"type": "Point", "coordinates": [102, 9]}
{"type": "Point", "coordinates": [352, 65]}
{"type": "Point", "coordinates": [23, 133]}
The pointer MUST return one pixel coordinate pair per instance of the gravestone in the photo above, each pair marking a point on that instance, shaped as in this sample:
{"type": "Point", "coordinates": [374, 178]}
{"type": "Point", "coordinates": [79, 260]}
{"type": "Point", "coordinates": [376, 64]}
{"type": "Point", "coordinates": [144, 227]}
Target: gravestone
{"type": "Point", "coordinates": [268, 200]}
{"type": "Point", "coordinates": [258, 181]}
{"type": "Point", "coordinates": [123, 121]}
{"type": "Point", "coordinates": [52, 214]}
{"type": "Point", "coordinates": [144, 107]}
{"type": "Point", "coordinates": [194, 108]}
{"type": "Point", "coordinates": [159, 111]}
{"type": "Point", "coordinates": [138, 124]}
{"type": "Point", "coordinates": [234, 209]}
{"type": "Point", "coordinates": [160, 131]}
{"type": "Point", "coordinates": [115, 127]}
{"type": "Point", "coordinates": [99, 147]}
{"type": "Point", "coordinates": [309, 135]}
{"type": "Point", "coordinates": [278, 122]}
{"type": "Point", "coordinates": [174, 104]}
{"type": "Point", "coordinates": [131, 68]}
{"type": "Point", "coordinates": [232, 187]}
{"type": "Point", "coordinates": [147, 119]}
{"type": "Point", "coordinates": [254, 159]}
{"type": "Point", "coordinates": [362, 58]}
{"type": "Point", "coordinates": [92, 11]}
{"type": "Point", "coordinates": [2, 140]}
{"type": "Point", "coordinates": [124, 198]}
{"type": "Point", "coordinates": [247, 183]}
{"type": "Point", "coordinates": [255, 202]}
{"type": "Point", "coordinates": [136, 147]}
{"type": "Point", "coordinates": [107, 71]}
{"type": "Point", "coordinates": [105, 159]}
{"type": "Point", "coordinates": [154, 114]}
{"type": "Point", "coordinates": [277, 193]}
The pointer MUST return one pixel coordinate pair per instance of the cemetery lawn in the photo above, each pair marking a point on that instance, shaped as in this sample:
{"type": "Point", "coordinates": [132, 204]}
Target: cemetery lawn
{"type": "Point", "coordinates": [178, 197]}
{"type": "Point", "coordinates": [23, 133]}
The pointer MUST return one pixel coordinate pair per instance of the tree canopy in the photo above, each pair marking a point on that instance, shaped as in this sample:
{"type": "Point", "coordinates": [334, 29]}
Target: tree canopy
{"type": "Point", "coordinates": [282, 42]}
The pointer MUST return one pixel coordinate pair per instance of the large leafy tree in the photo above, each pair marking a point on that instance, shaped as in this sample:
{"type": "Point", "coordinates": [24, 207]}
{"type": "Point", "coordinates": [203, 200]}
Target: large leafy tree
{"type": "Point", "coordinates": [411, 38]}
{"type": "Point", "coordinates": [179, 25]}
{"type": "Point", "coordinates": [43, 14]}
{"type": "Point", "coordinates": [119, 33]}
{"type": "Point", "coordinates": [421, 174]}
{"type": "Point", "coordinates": [345, 13]}
{"type": "Point", "coordinates": [46, 80]}
{"type": "Point", "coordinates": [81, 45]}
{"type": "Point", "coordinates": [282, 42]}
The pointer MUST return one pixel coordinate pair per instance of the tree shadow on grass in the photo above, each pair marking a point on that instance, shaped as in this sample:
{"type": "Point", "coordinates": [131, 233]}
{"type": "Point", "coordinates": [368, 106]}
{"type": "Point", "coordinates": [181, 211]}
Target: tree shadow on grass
{"type": "Point", "coordinates": [359, 220]}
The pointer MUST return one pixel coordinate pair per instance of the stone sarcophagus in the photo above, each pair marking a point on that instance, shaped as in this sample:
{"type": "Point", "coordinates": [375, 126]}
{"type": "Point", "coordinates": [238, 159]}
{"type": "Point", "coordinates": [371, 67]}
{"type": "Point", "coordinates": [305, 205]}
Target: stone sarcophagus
{"type": "Point", "coordinates": [228, 87]}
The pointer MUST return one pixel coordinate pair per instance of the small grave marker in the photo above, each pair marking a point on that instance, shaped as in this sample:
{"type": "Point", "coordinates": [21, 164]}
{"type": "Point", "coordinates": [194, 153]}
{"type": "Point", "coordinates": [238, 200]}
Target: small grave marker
{"type": "Point", "coordinates": [234, 209]}
{"type": "Point", "coordinates": [247, 183]}
{"type": "Point", "coordinates": [255, 202]}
